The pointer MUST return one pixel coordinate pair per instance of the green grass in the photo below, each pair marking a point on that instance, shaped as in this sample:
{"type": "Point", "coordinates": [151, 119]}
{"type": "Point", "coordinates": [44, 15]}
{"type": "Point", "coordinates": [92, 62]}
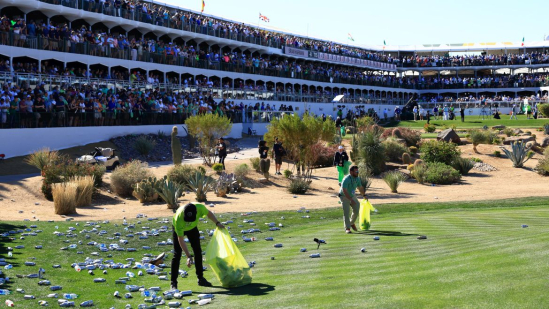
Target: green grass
{"type": "Point", "coordinates": [476, 256]}
{"type": "Point", "coordinates": [476, 122]}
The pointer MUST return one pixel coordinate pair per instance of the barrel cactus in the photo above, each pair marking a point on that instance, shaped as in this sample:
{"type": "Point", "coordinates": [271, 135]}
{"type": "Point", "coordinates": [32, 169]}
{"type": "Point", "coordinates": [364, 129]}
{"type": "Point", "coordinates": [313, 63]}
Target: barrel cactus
{"type": "Point", "coordinates": [406, 159]}
{"type": "Point", "coordinates": [176, 148]}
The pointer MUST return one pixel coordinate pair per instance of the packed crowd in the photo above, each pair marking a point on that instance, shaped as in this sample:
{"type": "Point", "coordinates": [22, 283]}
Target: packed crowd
{"type": "Point", "coordinates": [474, 60]}
{"type": "Point", "coordinates": [469, 98]}
{"type": "Point", "coordinates": [87, 105]}
{"type": "Point", "coordinates": [495, 81]}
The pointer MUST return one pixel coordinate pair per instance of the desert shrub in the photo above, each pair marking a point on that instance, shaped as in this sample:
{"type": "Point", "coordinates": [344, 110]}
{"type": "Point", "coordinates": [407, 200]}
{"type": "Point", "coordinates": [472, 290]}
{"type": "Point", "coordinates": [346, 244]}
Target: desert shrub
{"type": "Point", "coordinates": [207, 128]}
{"type": "Point", "coordinates": [298, 186]}
{"type": "Point", "coordinates": [477, 160]}
{"type": "Point", "coordinates": [217, 167]}
{"type": "Point", "coordinates": [370, 150]}
{"type": "Point", "coordinates": [64, 198]}
{"type": "Point", "coordinates": [143, 145]}
{"type": "Point", "coordinates": [64, 169]}
{"type": "Point", "coordinates": [419, 172]}
{"type": "Point", "coordinates": [440, 173]}
{"type": "Point", "coordinates": [508, 132]}
{"type": "Point", "coordinates": [241, 171]}
{"type": "Point", "coordinates": [544, 109]}
{"type": "Point", "coordinates": [463, 165]}
{"type": "Point", "coordinates": [255, 163]}
{"type": "Point", "coordinates": [542, 167]}
{"type": "Point", "coordinates": [394, 149]}
{"type": "Point", "coordinates": [439, 151]}
{"type": "Point", "coordinates": [42, 158]}
{"type": "Point", "coordinates": [429, 128]}
{"type": "Point", "coordinates": [84, 190]}
{"type": "Point", "coordinates": [287, 174]}
{"type": "Point", "coordinates": [126, 176]}
{"type": "Point", "coordinates": [481, 137]}
{"type": "Point", "coordinates": [411, 136]}
{"type": "Point", "coordinates": [181, 173]}
{"type": "Point", "coordinates": [406, 159]}
{"type": "Point", "coordinates": [363, 122]}
{"type": "Point", "coordinates": [497, 153]}
{"type": "Point", "coordinates": [161, 134]}
{"type": "Point", "coordinates": [200, 184]}
{"type": "Point", "coordinates": [413, 149]}
{"type": "Point", "coordinates": [393, 179]}
{"type": "Point", "coordinates": [322, 155]}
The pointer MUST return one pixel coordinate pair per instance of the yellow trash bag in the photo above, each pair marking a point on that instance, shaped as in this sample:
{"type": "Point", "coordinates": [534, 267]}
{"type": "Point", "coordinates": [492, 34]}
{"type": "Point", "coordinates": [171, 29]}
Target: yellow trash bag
{"type": "Point", "coordinates": [364, 214]}
{"type": "Point", "coordinates": [226, 261]}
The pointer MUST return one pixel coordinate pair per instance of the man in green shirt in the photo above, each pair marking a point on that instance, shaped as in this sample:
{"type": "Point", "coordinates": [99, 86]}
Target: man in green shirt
{"type": "Point", "coordinates": [185, 223]}
{"type": "Point", "coordinates": [348, 199]}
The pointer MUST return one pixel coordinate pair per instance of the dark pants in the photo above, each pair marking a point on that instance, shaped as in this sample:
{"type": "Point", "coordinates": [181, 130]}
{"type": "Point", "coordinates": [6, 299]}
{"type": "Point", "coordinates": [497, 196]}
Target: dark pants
{"type": "Point", "coordinates": [222, 161]}
{"type": "Point", "coordinates": [194, 239]}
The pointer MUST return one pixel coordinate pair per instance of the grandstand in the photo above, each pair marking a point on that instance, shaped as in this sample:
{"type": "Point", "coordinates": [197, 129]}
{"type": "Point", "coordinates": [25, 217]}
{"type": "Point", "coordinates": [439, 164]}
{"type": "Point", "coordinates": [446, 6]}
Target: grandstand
{"type": "Point", "coordinates": [130, 62]}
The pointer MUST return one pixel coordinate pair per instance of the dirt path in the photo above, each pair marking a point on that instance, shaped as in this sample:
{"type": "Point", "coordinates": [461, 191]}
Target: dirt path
{"type": "Point", "coordinates": [23, 200]}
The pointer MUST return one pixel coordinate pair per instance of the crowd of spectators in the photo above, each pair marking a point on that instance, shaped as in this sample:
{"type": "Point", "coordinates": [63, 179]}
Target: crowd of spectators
{"type": "Point", "coordinates": [533, 57]}
{"type": "Point", "coordinates": [479, 100]}
{"type": "Point", "coordinates": [88, 105]}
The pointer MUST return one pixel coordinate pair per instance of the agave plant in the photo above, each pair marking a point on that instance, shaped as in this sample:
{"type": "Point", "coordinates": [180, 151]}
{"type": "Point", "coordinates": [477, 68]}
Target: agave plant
{"type": "Point", "coordinates": [519, 154]}
{"type": "Point", "coordinates": [200, 184]}
{"type": "Point", "coordinates": [169, 191]}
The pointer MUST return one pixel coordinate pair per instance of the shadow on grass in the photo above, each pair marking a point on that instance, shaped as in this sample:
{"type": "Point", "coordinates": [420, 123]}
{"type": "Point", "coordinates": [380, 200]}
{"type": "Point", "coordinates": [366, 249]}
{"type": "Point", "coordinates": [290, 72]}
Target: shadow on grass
{"type": "Point", "coordinates": [398, 195]}
{"type": "Point", "coordinates": [385, 233]}
{"type": "Point", "coordinates": [252, 289]}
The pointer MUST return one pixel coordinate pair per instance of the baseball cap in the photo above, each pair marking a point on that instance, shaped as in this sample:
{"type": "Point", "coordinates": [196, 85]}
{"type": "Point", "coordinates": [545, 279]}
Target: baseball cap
{"type": "Point", "coordinates": [189, 213]}
{"type": "Point", "coordinates": [340, 147]}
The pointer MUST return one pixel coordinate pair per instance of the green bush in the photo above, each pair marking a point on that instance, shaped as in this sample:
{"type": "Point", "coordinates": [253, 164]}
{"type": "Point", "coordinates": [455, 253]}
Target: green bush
{"type": "Point", "coordinates": [64, 169]}
{"type": "Point", "coordinates": [481, 137]}
{"type": "Point", "coordinates": [440, 173]}
{"type": "Point", "coordinates": [544, 109]}
{"type": "Point", "coordinates": [143, 144]}
{"type": "Point", "coordinates": [411, 136]}
{"type": "Point", "coordinates": [463, 165]}
{"type": "Point", "coordinates": [508, 132]}
{"type": "Point", "coordinates": [429, 128]}
{"type": "Point", "coordinates": [181, 173]}
{"type": "Point", "coordinates": [126, 176]}
{"type": "Point", "coordinates": [419, 173]}
{"type": "Point", "coordinates": [287, 174]}
{"type": "Point", "coordinates": [393, 179]}
{"type": "Point", "coordinates": [298, 186]}
{"type": "Point", "coordinates": [255, 163]}
{"type": "Point", "coordinates": [439, 151]}
{"type": "Point", "coordinates": [217, 167]}
{"type": "Point", "coordinates": [394, 149]}
{"type": "Point", "coordinates": [497, 153]}
{"type": "Point", "coordinates": [477, 160]}
{"type": "Point", "coordinates": [241, 171]}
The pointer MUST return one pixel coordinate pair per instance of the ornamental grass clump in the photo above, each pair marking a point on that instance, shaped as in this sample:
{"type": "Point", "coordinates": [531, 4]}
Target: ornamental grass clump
{"type": "Point", "coordinates": [143, 145]}
{"type": "Point", "coordinates": [418, 172]}
{"type": "Point", "coordinates": [463, 165]}
{"type": "Point", "coordinates": [64, 198]}
{"type": "Point", "coordinates": [42, 158]}
{"type": "Point", "coordinates": [393, 179]}
{"type": "Point", "coordinates": [84, 190]}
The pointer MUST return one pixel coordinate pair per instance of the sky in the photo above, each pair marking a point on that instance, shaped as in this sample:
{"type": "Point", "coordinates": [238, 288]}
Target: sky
{"type": "Point", "coordinates": [397, 22]}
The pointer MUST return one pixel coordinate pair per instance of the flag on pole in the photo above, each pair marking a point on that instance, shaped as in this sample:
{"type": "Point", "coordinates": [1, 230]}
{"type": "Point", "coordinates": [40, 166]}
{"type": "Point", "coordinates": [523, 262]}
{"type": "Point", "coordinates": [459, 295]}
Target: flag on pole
{"type": "Point", "coordinates": [203, 5]}
{"type": "Point", "coordinates": [522, 41]}
{"type": "Point", "coordinates": [350, 37]}
{"type": "Point", "coordinates": [384, 44]}
{"type": "Point", "coordinates": [263, 18]}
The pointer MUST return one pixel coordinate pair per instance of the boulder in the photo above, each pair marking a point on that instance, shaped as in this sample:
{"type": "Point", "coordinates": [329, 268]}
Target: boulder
{"type": "Point", "coordinates": [449, 135]}
{"type": "Point", "coordinates": [498, 127]}
{"type": "Point", "coordinates": [517, 131]}
{"type": "Point", "coordinates": [513, 139]}
{"type": "Point", "coordinates": [545, 142]}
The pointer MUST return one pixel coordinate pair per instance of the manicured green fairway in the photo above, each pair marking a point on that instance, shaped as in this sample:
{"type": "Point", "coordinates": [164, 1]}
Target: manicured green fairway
{"type": "Point", "coordinates": [476, 255]}
{"type": "Point", "coordinates": [476, 122]}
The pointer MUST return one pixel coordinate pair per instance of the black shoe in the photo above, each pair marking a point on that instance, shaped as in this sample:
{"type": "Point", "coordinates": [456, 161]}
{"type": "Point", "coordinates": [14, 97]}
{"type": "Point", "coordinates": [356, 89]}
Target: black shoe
{"type": "Point", "coordinates": [173, 286]}
{"type": "Point", "coordinates": [203, 282]}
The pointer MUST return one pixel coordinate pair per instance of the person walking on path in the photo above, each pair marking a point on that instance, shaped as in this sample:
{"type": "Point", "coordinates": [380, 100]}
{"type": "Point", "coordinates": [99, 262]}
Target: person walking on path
{"type": "Point", "coordinates": [222, 151]}
{"type": "Point", "coordinates": [341, 160]}
{"type": "Point", "coordinates": [348, 199]}
{"type": "Point", "coordinates": [278, 153]}
{"type": "Point", "coordinates": [185, 223]}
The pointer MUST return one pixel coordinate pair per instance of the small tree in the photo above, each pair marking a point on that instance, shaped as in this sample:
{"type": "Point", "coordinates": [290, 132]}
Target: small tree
{"type": "Point", "coordinates": [207, 128]}
{"type": "Point", "coordinates": [299, 135]}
